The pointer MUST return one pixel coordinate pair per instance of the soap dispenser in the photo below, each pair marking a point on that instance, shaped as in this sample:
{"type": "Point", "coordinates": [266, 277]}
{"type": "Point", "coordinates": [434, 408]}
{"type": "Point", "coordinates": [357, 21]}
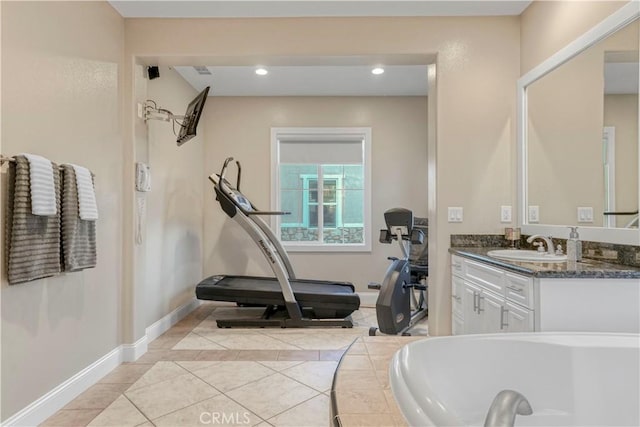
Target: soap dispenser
{"type": "Point", "coordinates": [574, 245]}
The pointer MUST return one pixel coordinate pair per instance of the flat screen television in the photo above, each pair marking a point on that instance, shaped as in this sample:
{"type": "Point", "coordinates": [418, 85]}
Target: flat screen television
{"type": "Point", "coordinates": [192, 117]}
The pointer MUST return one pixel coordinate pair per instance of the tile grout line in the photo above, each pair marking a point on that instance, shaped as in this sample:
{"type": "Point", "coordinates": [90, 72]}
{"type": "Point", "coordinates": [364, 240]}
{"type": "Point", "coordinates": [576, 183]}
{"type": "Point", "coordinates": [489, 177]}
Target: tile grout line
{"type": "Point", "coordinates": [179, 409]}
{"type": "Point", "coordinates": [300, 362]}
{"type": "Point", "coordinates": [284, 342]}
{"type": "Point", "coordinates": [240, 386]}
{"type": "Point", "coordinates": [295, 406]}
{"type": "Point", "coordinates": [139, 410]}
{"type": "Point", "coordinates": [307, 385]}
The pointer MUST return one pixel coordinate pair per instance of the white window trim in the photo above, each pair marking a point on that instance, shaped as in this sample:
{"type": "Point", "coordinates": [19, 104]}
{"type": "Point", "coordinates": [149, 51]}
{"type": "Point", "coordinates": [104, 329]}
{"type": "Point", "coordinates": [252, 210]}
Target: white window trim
{"type": "Point", "coordinates": [330, 135]}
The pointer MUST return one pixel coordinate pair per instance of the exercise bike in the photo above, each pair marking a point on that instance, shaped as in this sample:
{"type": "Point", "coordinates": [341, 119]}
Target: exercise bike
{"type": "Point", "coordinates": [397, 307]}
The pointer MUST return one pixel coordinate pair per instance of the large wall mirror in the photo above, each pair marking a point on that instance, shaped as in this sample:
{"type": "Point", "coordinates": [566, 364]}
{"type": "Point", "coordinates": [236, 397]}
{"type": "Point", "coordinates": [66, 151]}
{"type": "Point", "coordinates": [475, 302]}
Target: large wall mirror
{"type": "Point", "coordinates": [578, 136]}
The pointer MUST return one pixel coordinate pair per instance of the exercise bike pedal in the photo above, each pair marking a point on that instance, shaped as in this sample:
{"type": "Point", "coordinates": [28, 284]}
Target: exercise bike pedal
{"type": "Point", "coordinates": [420, 287]}
{"type": "Point", "coordinates": [372, 285]}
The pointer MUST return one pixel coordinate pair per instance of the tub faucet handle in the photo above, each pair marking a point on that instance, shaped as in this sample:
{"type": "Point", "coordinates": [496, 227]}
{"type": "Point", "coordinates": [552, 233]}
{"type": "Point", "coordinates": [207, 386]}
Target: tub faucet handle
{"type": "Point", "coordinates": [504, 408]}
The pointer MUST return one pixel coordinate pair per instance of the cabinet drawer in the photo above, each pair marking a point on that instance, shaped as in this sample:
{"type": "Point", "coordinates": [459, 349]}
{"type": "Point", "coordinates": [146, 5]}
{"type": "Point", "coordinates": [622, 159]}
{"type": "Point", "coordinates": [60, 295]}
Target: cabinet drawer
{"type": "Point", "coordinates": [485, 275]}
{"type": "Point", "coordinates": [519, 289]}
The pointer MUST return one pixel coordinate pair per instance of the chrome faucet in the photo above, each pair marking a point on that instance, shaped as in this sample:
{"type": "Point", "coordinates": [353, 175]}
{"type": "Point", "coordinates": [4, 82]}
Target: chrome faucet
{"type": "Point", "coordinates": [547, 240]}
{"type": "Point", "coordinates": [506, 405]}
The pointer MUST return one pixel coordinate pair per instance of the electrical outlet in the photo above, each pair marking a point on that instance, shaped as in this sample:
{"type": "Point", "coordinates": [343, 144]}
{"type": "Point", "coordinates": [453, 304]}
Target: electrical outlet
{"type": "Point", "coordinates": [534, 214]}
{"type": "Point", "coordinates": [585, 214]}
{"type": "Point", "coordinates": [455, 214]}
{"type": "Point", "coordinates": [505, 213]}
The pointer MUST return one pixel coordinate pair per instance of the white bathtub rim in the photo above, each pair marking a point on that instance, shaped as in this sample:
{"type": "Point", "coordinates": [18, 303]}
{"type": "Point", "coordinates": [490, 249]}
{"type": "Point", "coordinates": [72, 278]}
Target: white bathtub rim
{"type": "Point", "coordinates": [434, 412]}
{"type": "Point", "coordinates": [411, 410]}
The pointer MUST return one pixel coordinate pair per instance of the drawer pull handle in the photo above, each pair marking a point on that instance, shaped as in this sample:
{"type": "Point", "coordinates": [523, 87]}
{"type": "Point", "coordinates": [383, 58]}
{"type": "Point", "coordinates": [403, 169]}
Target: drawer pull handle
{"type": "Point", "coordinates": [480, 298]}
{"type": "Point", "coordinates": [503, 324]}
{"type": "Point", "coordinates": [515, 289]}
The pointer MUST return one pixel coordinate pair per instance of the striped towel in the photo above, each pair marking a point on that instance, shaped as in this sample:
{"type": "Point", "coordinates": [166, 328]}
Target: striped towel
{"type": "Point", "coordinates": [33, 242]}
{"type": "Point", "coordinates": [43, 191]}
{"type": "Point", "coordinates": [78, 235]}
{"type": "Point", "coordinates": [87, 206]}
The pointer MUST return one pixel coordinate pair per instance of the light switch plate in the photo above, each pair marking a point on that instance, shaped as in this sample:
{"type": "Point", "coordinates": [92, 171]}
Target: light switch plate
{"type": "Point", "coordinates": [505, 213]}
{"type": "Point", "coordinates": [585, 214]}
{"type": "Point", "coordinates": [455, 214]}
{"type": "Point", "coordinates": [534, 214]}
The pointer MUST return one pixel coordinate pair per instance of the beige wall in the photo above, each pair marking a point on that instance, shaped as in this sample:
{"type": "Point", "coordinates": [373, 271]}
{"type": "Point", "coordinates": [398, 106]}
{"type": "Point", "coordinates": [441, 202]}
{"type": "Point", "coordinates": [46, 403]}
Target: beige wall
{"type": "Point", "coordinates": [564, 137]}
{"type": "Point", "coordinates": [240, 127]}
{"type": "Point", "coordinates": [61, 98]}
{"type": "Point", "coordinates": [548, 26]}
{"type": "Point", "coordinates": [64, 61]}
{"type": "Point", "coordinates": [478, 64]}
{"type": "Point", "coordinates": [172, 238]}
{"type": "Point", "coordinates": [621, 112]}
{"type": "Point", "coordinates": [565, 115]}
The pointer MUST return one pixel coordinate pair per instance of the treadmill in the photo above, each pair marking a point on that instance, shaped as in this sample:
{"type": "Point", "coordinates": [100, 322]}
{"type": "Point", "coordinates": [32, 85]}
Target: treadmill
{"type": "Point", "coordinates": [289, 302]}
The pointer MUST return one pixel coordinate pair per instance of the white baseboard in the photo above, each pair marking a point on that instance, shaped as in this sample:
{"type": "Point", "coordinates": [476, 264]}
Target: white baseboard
{"type": "Point", "coordinates": [132, 352]}
{"type": "Point", "coordinates": [56, 399]}
{"type": "Point", "coordinates": [164, 324]}
{"type": "Point", "coordinates": [368, 298]}
{"type": "Point", "coordinates": [59, 397]}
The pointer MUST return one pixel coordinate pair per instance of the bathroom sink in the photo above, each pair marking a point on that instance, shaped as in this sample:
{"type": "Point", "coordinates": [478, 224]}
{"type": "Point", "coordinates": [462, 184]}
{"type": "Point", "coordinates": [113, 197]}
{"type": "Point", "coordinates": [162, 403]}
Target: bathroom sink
{"type": "Point", "coordinates": [524, 255]}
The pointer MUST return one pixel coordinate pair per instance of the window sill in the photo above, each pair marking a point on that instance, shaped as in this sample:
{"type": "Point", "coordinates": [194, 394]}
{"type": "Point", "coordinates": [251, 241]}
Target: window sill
{"type": "Point", "coordinates": [326, 248]}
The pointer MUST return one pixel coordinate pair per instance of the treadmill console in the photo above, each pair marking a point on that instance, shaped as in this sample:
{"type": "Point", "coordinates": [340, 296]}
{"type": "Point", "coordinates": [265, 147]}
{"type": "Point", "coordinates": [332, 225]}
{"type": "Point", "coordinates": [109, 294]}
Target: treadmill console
{"type": "Point", "coordinates": [241, 200]}
{"type": "Point", "coordinates": [238, 198]}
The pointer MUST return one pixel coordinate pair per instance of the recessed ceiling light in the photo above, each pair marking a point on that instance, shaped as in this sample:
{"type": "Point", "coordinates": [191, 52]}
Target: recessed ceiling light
{"type": "Point", "coordinates": [377, 70]}
{"type": "Point", "coordinates": [261, 71]}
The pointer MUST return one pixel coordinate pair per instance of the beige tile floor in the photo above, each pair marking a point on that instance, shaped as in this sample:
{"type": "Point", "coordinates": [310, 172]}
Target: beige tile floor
{"type": "Point", "coordinates": [362, 390]}
{"type": "Point", "coordinates": [196, 374]}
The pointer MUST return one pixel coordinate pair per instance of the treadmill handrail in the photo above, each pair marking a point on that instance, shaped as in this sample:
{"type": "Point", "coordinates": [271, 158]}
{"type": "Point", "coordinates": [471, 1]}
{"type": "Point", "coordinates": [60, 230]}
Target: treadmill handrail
{"type": "Point", "coordinates": [258, 212]}
{"type": "Point", "coordinates": [220, 184]}
{"type": "Point", "coordinates": [254, 211]}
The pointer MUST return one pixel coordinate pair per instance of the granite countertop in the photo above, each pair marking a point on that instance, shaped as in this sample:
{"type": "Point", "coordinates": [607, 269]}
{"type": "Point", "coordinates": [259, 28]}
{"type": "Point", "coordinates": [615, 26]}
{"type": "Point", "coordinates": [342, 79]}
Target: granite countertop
{"type": "Point", "coordinates": [587, 268]}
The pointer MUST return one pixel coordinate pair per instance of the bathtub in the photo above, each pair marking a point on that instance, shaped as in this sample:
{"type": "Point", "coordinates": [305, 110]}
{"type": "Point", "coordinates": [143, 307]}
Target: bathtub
{"type": "Point", "coordinates": [570, 379]}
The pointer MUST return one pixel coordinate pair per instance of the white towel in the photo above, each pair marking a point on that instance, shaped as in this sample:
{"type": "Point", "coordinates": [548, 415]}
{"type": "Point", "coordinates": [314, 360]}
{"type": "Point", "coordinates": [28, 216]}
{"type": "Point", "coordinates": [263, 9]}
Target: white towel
{"type": "Point", "coordinates": [87, 206]}
{"type": "Point", "coordinates": [42, 187]}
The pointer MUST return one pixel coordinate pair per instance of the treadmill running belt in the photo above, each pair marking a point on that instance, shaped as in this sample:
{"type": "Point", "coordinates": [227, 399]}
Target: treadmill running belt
{"type": "Point", "coordinates": [266, 290]}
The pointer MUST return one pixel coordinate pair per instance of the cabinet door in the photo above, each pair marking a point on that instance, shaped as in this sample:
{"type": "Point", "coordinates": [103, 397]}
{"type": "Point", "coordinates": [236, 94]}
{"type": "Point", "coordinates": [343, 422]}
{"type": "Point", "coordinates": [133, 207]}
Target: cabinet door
{"type": "Point", "coordinates": [457, 310]}
{"type": "Point", "coordinates": [490, 307]}
{"type": "Point", "coordinates": [518, 319]}
{"type": "Point", "coordinates": [471, 317]}
{"type": "Point", "coordinates": [457, 291]}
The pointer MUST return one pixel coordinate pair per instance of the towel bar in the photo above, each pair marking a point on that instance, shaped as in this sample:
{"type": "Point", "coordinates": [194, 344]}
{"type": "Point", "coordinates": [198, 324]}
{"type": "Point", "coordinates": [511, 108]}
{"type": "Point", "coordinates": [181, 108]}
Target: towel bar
{"type": "Point", "coordinates": [6, 159]}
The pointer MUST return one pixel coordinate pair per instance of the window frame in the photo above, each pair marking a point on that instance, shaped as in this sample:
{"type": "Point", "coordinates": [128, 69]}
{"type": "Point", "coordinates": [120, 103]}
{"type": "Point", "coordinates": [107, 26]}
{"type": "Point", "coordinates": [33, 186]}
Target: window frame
{"type": "Point", "coordinates": [306, 202]}
{"type": "Point", "coordinates": [333, 135]}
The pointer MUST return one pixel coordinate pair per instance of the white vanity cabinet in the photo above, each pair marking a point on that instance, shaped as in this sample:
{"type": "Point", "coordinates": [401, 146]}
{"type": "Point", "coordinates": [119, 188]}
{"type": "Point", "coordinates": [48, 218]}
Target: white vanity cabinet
{"type": "Point", "coordinates": [487, 298]}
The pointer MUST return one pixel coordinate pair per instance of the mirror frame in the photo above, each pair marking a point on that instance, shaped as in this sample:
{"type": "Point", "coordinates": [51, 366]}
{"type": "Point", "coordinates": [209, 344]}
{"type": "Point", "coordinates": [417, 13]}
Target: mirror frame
{"type": "Point", "coordinates": [619, 19]}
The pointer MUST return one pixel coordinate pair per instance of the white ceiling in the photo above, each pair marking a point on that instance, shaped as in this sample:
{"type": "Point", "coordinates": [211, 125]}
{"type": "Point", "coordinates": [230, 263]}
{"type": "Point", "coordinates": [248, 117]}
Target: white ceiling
{"type": "Point", "coordinates": [335, 76]}
{"type": "Point", "coordinates": [313, 8]}
{"type": "Point", "coordinates": [329, 78]}
{"type": "Point", "coordinates": [323, 80]}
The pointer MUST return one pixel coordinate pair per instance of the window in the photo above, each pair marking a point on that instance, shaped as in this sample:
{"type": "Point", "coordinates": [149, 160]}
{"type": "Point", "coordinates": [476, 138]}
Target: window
{"type": "Point", "coordinates": [322, 177]}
